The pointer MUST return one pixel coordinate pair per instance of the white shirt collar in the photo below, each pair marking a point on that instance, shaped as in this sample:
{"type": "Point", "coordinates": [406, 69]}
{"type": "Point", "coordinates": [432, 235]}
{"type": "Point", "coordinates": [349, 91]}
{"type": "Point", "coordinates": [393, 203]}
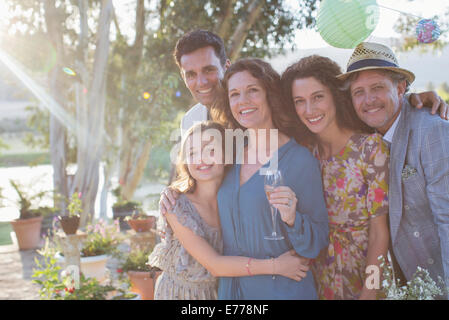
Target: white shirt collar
{"type": "Point", "coordinates": [388, 136]}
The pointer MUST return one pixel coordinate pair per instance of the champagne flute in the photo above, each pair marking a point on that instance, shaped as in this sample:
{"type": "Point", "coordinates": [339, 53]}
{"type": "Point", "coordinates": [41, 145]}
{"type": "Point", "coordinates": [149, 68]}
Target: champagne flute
{"type": "Point", "coordinates": [273, 179]}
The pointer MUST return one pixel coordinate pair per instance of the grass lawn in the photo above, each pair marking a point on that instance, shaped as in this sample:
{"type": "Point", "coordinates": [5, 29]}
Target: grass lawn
{"type": "Point", "coordinates": [24, 159]}
{"type": "Point", "coordinates": [5, 229]}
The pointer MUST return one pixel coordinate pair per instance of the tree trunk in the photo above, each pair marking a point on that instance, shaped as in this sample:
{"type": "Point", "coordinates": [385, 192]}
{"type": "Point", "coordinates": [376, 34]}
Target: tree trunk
{"type": "Point", "coordinates": [90, 116]}
{"type": "Point", "coordinates": [58, 148]}
{"type": "Point", "coordinates": [224, 24]}
{"type": "Point", "coordinates": [107, 173]}
{"type": "Point", "coordinates": [137, 169]}
{"type": "Point", "coordinates": [134, 155]}
{"type": "Point", "coordinates": [239, 36]}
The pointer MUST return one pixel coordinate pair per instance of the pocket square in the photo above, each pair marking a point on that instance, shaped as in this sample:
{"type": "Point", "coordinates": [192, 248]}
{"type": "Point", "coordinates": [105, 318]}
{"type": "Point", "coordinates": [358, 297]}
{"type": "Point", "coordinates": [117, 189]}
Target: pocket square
{"type": "Point", "coordinates": [408, 172]}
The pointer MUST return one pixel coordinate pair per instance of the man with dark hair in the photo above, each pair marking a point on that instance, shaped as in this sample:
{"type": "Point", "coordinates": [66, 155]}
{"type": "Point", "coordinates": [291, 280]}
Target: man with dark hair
{"type": "Point", "coordinates": [201, 58]}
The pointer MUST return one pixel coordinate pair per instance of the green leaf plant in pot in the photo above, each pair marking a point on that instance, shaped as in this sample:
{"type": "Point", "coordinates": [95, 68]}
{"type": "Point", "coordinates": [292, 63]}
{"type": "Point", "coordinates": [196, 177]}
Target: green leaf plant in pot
{"type": "Point", "coordinates": [102, 241]}
{"type": "Point", "coordinates": [71, 222]}
{"type": "Point", "coordinates": [123, 208]}
{"type": "Point", "coordinates": [28, 226]}
{"type": "Point", "coordinates": [142, 277]}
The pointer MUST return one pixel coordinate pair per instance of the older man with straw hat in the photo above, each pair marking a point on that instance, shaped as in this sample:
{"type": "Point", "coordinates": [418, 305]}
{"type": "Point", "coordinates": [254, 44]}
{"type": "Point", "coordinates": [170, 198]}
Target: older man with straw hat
{"type": "Point", "coordinates": [419, 161]}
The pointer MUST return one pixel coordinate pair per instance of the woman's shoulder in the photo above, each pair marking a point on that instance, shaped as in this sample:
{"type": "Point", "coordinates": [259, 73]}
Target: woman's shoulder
{"type": "Point", "coordinates": [297, 158]}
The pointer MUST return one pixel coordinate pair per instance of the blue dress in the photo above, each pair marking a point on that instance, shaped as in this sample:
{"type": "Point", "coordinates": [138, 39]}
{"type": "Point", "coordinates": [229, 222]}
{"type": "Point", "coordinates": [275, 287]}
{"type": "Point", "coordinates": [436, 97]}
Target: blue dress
{"type": "Point", "coordinates": [246, 218]}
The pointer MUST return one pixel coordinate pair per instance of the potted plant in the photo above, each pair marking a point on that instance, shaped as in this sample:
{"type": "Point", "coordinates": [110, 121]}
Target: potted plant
{"type": "Point", "coordinates": [71, 222]}
{"type": "Point", "coordinates": [101, 242]}
{"type": "Point", "coordinates": [28, 226]}
{"type": "Point", "coordinates": [141, 276]}
{"type": "Point", "coordinates": [56, 284]}
{"type": "Point", "coordinates": [123, 208]}
{"type": "Point", "coordinates": [140, 222]}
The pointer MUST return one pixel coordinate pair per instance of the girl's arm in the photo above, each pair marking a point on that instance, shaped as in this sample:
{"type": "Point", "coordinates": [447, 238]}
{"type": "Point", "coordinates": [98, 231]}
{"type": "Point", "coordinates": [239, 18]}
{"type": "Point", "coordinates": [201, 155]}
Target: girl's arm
{"type": "Point", "coordinates": [377, 246]}
{"type": "Point", "coordinates": [288, 264]}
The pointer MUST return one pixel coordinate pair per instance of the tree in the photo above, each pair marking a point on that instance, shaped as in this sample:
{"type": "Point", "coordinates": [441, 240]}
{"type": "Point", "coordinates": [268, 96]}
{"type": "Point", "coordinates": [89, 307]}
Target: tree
{"type": "Point", "coordinates": [54, 23]}
{"type": "Point", "coordinates": [249, 28]}
{"type": "Point", "coordinates": [126, 90]}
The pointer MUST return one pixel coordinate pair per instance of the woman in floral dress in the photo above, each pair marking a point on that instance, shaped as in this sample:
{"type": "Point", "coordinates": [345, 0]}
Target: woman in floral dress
{"type": "Point", "coordinates": [354, 164]}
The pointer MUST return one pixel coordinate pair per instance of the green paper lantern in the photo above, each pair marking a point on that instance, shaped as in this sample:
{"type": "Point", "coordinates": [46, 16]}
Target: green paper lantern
{"type": "Point", "coordinates": [346, 23]}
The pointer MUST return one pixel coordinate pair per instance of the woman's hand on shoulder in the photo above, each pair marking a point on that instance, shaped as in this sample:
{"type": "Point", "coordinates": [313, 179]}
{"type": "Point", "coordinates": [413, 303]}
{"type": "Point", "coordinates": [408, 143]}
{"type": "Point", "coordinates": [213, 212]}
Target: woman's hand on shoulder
{"type": "Point", "coordinates": [167, 200]}
{"type": "Point", "coordinates": [291, 265]}
{"type": "Point", "coordinates": [284, 199]}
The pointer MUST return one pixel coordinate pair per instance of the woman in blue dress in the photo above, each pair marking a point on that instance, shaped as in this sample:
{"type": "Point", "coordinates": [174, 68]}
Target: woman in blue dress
{"type": "Point", "coordinates": [252, 102]}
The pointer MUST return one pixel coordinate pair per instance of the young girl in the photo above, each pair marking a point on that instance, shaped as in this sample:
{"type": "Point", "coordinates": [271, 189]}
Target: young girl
{"type": "Point", "coordinates": [354, 166]}
{"type": "Point", "coordinates": [189, 255]}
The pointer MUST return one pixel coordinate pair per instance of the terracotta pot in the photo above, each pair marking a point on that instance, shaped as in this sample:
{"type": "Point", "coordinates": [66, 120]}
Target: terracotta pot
{"type": "Point", "coordinates": [28, 232]}
{"type": "Point", "coordinates": [143, 284]}
{"type": "Point", "coordinates": [69, 224]}
{"type": "Point", "coordinates": [142, 225]}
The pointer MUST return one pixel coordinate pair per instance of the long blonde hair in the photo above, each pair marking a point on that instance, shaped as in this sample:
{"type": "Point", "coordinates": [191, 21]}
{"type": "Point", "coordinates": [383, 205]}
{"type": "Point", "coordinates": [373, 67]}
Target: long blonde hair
{"type": "Point", "coordinates": [184, 182]}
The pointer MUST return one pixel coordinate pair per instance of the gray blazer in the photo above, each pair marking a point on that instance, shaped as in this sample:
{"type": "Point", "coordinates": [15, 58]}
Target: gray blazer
{"type": "Point", "coordinates": [419, 193]}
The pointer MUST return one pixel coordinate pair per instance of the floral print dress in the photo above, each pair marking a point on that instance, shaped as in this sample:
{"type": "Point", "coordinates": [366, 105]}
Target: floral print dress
{"type": "Point", "coordinates": [355, 186]}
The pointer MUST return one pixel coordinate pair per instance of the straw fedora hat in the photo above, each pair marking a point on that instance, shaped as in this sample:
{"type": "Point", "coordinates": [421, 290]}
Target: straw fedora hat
{"type": "Point", "coordinates": [369, 56]}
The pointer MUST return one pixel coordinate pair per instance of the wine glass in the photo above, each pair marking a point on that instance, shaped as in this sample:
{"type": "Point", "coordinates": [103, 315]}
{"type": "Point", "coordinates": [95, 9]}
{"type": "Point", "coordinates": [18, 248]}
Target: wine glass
{"type": "Point", "coordinates": [273, 179]}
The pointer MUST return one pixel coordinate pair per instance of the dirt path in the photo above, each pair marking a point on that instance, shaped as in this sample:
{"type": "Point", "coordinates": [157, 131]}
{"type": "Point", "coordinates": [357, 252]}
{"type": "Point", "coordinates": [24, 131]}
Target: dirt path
{"type": "Point", "coordinates": [16, 269]}
{"type": "Point", "coordinates": [15, 274]}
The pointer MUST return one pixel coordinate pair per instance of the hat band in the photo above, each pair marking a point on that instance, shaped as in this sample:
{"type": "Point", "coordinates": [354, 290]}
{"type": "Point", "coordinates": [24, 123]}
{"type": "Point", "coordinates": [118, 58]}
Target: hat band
{"type": "Point", "coordinates": [370, 63]}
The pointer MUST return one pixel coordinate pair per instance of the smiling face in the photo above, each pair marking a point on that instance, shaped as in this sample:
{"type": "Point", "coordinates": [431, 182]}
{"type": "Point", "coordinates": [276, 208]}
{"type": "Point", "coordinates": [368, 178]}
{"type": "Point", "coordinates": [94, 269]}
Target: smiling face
{"type": "Point", "coordinates": [205, 161]}
{"type": "Point", "coordinates": [248, 101]}
{"type": "Point", "coordinates": [314, 104]}
{"type": "Point", "coordinates": [202, 72]}
{"type": "Point", "coordinates": [377, 99]}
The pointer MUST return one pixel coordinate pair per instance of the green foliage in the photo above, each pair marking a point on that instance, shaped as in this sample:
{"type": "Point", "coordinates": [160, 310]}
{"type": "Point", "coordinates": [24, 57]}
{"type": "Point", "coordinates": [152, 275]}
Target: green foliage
{"type": "Point", "coordinates": [26, 200]}
{"type": "Point", "coordinates": [102, 238]}
{"type": "Point", "coordinates": [127, 114]}
{"type": "Point", "coordinates": [46, 275]}
{"type": "Point", "coordinates": [57, 285]}
{"type": "Point", "coordinates": [5, 231]}
{"type": "Point", "coordinates": [24, 159]}
{"type": "Point", "coordinates": [75, 205]}
{"type": "Point", "coordinates": [90, 289]}
{"type": "Point", "coordinates": [122, 205]}
{"type": "Point", "coordinates": [135, 260]}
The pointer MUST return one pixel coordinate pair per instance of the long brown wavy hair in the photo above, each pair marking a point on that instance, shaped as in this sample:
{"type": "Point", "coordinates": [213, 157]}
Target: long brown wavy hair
{"type": "Point", "coordinates": [325, 71]}
{"type": "Point", "coordinates": [281, 116]}
{"type": "Point", "coordinates": [184, 182]}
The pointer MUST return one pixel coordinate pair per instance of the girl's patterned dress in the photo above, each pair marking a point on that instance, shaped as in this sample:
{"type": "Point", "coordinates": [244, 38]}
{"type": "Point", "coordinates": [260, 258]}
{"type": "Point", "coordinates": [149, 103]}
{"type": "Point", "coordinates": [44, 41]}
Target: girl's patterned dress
{"type": "Point", "coordinates": [355, 186]}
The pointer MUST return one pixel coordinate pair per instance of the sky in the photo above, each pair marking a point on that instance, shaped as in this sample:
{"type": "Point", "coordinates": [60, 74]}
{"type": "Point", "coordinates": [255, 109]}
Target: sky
{"type": "Point", "coordinates": [307, 39]}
